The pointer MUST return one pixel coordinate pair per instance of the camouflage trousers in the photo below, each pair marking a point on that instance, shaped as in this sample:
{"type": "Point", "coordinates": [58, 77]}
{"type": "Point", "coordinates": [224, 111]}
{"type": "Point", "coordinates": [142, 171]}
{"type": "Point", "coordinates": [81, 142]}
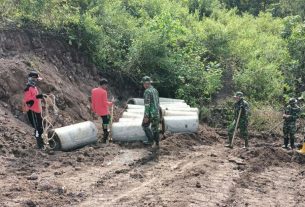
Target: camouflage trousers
{"type": "Point", "coordinates": [243, 128]}
{"type": "Point", "coordinates": [289, 130]}
{"type": "Point", "coordinates": [151, 129]}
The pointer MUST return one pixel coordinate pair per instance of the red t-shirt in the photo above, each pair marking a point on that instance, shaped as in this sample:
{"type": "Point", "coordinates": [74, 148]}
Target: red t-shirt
{"type": "Point", "coordinates": [99, 101]}
{"type": "Point", "coordinates": [29, 95]}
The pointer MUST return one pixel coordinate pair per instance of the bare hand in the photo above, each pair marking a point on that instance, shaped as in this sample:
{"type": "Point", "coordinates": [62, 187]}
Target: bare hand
{"type": "Point", "coordinates": [145, 120]}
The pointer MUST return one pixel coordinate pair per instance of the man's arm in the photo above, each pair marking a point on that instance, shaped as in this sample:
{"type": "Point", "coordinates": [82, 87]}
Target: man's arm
{"type": "Point", "coordinates": [147, 102]}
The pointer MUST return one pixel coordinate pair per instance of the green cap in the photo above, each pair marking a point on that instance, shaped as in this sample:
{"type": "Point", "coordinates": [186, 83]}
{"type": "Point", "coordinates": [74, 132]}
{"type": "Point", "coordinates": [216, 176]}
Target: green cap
{"type": "Point", "coordinates": [146, 79]}
{"type": "Point", "coordinates": [239, 94]}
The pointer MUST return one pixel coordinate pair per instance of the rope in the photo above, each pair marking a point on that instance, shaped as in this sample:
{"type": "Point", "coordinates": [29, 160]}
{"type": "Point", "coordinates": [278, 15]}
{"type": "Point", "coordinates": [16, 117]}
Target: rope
{"type": "Point", "coordinates": [50, 100]}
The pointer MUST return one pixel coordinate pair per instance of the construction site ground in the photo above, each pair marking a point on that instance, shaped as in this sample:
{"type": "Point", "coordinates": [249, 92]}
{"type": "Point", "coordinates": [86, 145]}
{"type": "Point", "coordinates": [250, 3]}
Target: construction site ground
{"type": "Point", "coordinates": [188, 170]}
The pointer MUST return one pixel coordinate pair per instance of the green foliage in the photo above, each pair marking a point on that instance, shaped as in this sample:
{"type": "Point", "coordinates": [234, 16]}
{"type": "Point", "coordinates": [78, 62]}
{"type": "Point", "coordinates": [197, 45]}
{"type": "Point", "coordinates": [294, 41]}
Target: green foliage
{"type": "Point", "coordinates": [185, 45]}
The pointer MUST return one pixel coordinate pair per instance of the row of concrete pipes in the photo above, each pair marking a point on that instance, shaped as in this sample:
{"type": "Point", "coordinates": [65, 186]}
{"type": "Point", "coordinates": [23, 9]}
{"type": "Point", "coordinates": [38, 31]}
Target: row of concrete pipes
{"type": "Point", "coordinates": [176, 117]}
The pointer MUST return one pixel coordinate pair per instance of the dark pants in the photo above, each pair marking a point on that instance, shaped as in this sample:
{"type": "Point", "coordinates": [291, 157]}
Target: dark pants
{"type": "Point", "coordinates": [106, 119]}
{"type": "Point", "coordinates": [289, 130]}
{"type": "Point", "coordinates": [36, 122]}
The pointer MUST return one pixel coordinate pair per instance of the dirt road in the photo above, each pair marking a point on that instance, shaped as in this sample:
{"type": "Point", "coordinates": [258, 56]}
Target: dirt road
{"type": "Point", "coordinates": [188, 170]}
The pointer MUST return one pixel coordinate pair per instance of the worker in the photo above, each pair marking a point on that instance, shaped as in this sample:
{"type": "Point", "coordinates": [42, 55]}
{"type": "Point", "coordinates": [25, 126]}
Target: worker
{"type": "Point", "coordinates": [292, 112]}
{"type": "Point", "coordinates": [32, 103]}
{"type": "Point", "coordinates": [100, 106]}
{"type": "Point", "coordinates": [151, 113]}
{"type": "Point", "coordinates": [240, 107]}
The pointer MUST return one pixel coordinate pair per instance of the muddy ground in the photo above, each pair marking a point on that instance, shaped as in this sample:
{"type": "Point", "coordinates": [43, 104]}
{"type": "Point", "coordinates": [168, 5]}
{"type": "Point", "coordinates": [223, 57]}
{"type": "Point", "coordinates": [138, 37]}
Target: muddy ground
{"type": "Point", "coordinates": [187, 170]}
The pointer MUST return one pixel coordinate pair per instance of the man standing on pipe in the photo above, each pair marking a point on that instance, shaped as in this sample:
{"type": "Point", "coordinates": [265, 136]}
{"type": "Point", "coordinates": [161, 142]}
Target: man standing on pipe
{"type": "Point", "coordinates": [32, 101]}
{"type": "Point", "coordinates": [100, 105]}
{"type": "Point", "coordinates": [292, 112]}
{"type": "Point", "coordinates": [243, 107]}
{"type": "Point", "coordinates": [151, 113]}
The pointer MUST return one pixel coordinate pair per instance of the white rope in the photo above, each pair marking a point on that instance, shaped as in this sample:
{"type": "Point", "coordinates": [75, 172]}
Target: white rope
{"type": "Point", "coordinates": [50, 101]}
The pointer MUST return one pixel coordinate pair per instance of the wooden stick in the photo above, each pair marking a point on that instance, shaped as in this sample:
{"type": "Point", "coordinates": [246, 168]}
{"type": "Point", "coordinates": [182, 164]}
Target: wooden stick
{"type": "Point", "coordinates": [111, 121]}
{"type": "Point", "coordinates": [236, 126]}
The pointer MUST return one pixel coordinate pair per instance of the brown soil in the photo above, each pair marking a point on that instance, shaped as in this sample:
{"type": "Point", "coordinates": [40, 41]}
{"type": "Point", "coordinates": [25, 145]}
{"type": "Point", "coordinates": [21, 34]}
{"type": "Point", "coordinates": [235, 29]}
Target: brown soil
{"type": "Point", "coordinates": [187, 170]}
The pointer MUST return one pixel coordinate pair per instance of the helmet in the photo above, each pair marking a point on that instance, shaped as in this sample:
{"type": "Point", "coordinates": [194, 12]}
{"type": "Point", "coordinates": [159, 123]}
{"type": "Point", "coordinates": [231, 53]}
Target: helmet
{"type": "Point", "coordinates": [146, 79]}
{"type": "Point", "coordinates": [292, 101]}
{"type": "Point", "coordinates": [239, 94]}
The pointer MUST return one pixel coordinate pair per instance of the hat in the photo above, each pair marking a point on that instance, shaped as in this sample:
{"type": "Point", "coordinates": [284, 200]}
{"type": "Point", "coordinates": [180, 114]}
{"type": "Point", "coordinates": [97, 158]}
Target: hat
{"type": "Point", "coordinates": [146, 79]}
{"type": "Point", "coordinates": [34, 74]}
{"type": "Point", "coordinates": [238, 94]}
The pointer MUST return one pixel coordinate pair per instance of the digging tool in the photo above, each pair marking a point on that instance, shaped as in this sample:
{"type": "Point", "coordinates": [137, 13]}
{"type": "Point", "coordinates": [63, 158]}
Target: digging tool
{"type": "Point", "coordinates": [111, 121]}
{"type": "Point", "coordinates": [236, 126]}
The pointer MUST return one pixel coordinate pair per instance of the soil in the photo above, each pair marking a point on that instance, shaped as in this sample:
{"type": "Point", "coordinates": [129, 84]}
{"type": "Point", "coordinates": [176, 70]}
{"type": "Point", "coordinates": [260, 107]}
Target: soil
{"type": "Point", "coordinates": [187, 170]}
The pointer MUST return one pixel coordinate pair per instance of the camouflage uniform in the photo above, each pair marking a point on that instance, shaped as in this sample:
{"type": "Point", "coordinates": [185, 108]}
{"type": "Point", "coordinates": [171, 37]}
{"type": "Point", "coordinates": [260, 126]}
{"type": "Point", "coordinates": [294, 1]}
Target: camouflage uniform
{"type": "Point", "coordinates": [151, 102]}
{"type": "Point", "coordinates": [289, 127]}
{"type": "Point", "coordinates": [243, 121]}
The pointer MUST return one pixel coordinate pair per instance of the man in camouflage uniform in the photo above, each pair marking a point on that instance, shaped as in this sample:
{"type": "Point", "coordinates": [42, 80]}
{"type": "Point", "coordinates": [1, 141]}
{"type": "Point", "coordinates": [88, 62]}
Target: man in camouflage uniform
{"type": "Point", "coordinates": [242, 105]}
{"type": "Point", "coordinates": [151, 113]}
{"type": "Point", "coordinates": [292, 112]}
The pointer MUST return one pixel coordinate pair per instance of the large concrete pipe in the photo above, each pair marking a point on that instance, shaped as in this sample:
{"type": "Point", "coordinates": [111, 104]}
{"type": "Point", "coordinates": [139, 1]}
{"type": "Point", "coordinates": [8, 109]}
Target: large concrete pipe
{"type": "Point", "coordinates": [180, 113]}
{"type": "Point", "coordinates": [131, 120]}
{"type": "Point", "coordinates": [131, 106]}
{"type": "Point", "coordinates": [127, 132]}
{"type": "Point", "coordinates": [183, 109]}
{"type": "Point", "coordinates": [140, 101]}
{"type": "Point", "coordinates": [136, 101]}
{"type": "Point", "coordinates": [179, 124]}
{"type": "Point", "coordinates": [140, 111]}
{"type": "Point", "coordinates": [171, 100]}
{"type": "Point", "coordinates": [132, 115]}
{"type": "Point", "coordinates": [75, 136]}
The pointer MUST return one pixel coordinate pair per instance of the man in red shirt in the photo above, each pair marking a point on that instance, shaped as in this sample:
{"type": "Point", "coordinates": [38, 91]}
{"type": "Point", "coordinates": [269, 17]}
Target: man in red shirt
{"type": "Point", "coordinates": [32, 102]}
{"type": "Point", "coordinates": [100, 105]}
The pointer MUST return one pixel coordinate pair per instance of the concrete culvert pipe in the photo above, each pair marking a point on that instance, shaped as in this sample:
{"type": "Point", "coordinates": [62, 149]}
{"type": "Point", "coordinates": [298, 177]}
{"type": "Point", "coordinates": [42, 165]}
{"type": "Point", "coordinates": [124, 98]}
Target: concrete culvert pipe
{"type": "Point", "coordinates": [178, 124]}
{"type": "Point", "coordinates": [136, 101]}
{"type": "Point", "coordinates": [132, 115]}
{"type": "Point", "coordinates": [131, 120]}
{"type": "Point", "coordinates": [180, 113]}
{"type": "Point", "coordinates": [183, 109]}
{"type": "Point", "coordinates": [140, 111]}
{"type": "Point", "coordinates": [128, 132]}
{"type": "Point", "coordinates": [74, 136]}
{"type": "Point", "coordinates": [131, 106]}
{"type": "Point", "coordinates": [170, 100]}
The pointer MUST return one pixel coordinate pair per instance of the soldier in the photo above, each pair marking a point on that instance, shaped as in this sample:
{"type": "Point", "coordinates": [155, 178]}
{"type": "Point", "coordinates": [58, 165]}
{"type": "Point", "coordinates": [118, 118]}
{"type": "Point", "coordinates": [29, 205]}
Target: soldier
{"type": "Point", "coordinates": [151, 113]}
{"type": "Point", "coordinates": [240, 106]}
{"type": "Point", "coordinates": [290, 116]}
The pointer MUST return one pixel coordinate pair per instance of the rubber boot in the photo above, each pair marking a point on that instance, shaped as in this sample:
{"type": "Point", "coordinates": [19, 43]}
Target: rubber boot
{"type": "Point", "coordinates": [286, 141]}
{"type": "Point", "coordinates": [157, 138]}
{"type": "Point", "coordinates": [292, 143]}
{"type": "Point", "coordinates": [105, 136]}
{"type": "Point", "coordinates": [149, 135]}
{"type": "Point", "coordinates": [40, 143]}
{"type": "Point", "coordinates": [246, 143]}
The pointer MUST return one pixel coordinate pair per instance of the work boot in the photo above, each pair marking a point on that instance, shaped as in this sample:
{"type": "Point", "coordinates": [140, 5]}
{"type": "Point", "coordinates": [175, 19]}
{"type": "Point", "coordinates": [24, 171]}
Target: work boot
{"type": "Point", "coordinates": [40, 143]}
{"type": "Point", "coordinates": [292, 143]}
{"type": "Point", "coordinates": [286, 141]}
{"type": "Point", "coordinates": [105, 136]}
{"type": "Point", "coordinates": [229, 146]}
